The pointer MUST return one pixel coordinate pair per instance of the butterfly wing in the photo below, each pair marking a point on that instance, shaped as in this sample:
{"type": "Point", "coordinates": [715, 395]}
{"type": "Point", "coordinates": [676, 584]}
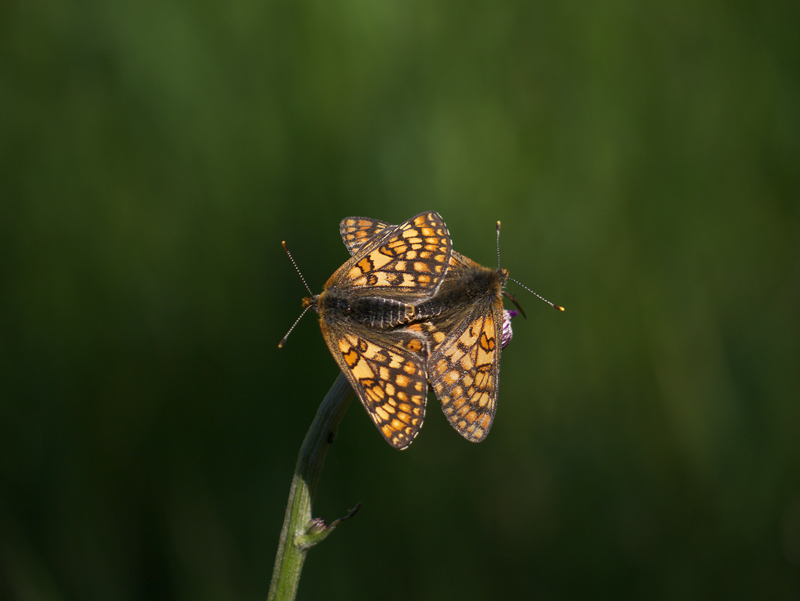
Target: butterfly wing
{"type": "Point", "coordinates": [357, 231]}
{"type": "Point", "coordinates": [464, 363]}
{"type": "Point", "coordinates": [387, 372]}
{"type": "Point", "coordinates": [407, 261]}
{"type": "Point", "coordinates": [464, 370]}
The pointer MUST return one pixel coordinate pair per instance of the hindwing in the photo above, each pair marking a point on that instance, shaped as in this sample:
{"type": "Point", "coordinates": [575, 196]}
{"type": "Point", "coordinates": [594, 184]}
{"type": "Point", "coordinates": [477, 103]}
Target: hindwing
{"type": "Point", "coordinates": [464, 367]}
{"type": "Point", "coordinates": [387, 372]}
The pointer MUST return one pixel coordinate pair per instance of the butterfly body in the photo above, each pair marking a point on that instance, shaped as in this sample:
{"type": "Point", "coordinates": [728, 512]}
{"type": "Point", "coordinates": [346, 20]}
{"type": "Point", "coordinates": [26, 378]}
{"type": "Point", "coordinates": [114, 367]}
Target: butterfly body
{"type": "Point", "coordinates": [467, 284]}
{"type": "Point", "coordinates": [364, 308]}
{"type": "Point", "coordinates": [373, 312]}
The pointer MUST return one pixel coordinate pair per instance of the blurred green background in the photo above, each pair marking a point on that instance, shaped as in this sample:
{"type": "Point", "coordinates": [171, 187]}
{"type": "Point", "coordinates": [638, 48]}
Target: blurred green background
{"type": "Point", "coordinates": [645, 161]}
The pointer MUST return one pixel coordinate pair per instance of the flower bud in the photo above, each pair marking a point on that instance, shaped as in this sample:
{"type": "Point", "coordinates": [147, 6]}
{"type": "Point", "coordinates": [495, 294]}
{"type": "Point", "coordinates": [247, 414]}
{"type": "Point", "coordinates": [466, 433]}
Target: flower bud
{"type": "Point", "coordinates": [507, 331]}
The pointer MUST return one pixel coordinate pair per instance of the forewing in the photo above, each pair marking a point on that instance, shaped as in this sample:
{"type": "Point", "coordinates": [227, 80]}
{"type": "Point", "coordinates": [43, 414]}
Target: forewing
{"type": "Point", "coordinates": [457, 261]}
{"type": "Point", "coordinates": [464, 368]}
{"type": "Point", "coordinates": [387, 372]}
{"type": "Point", "coordinates": [410, 259]}
{"type": "Point", "coordinates": [357, 231]}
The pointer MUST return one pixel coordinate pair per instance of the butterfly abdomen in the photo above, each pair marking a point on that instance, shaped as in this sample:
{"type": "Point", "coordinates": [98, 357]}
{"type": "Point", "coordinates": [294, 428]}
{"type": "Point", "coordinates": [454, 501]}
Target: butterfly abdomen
{"type": "Point", "coordinates": [372, 311]}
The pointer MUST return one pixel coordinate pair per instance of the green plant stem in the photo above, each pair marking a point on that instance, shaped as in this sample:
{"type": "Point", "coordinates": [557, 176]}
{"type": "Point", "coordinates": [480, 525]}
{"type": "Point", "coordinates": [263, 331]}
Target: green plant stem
{"type": "Point", "coordinates": [300, 532]}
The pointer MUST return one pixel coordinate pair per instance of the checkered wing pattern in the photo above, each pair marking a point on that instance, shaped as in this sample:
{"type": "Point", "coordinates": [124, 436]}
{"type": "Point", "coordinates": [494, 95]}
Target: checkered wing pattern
{"type": "Point", "coordinates": [407, 261]}
{"type": "Point", "coordinates": [464, 364]}
{"type": "Point", "coordinates": [357, 231]}
{"type": "Point", "coordinates": [387, 372]}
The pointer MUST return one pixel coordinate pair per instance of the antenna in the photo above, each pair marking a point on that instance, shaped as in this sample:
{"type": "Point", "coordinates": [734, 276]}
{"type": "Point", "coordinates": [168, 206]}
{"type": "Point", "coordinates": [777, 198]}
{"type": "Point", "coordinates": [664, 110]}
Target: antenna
{"type": "Point", "coordinates": [540, 297]}
{"type": "Point", "coordinates": [307, 306]}
{"type": "Point", "coordinates": [513, 300]}
{"type": "Point", "coordinates": [296, 321]}
{"type": "Point", "coordinates": [498, 246]}
{"type": "Point", "coordinates": [296, 268]}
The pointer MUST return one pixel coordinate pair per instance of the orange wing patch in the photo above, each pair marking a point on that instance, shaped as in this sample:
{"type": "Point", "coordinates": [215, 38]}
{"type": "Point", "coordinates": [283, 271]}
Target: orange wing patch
{"type": "Point", "coordinates": [411, 257]}
{"type": "Point", "coordinates": [388, 378]}
{"type": "Point", "coordinates": [463, 371]}
{"type": "Point", "coordinates": [357, 231]}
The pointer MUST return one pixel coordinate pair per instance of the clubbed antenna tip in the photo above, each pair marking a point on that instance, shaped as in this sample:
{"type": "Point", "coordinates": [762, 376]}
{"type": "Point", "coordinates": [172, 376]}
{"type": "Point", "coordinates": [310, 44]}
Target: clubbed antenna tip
{"type": "Point", "coordinates": [555, 306]}
{"type": "Point", "coordinates": [539, 296]}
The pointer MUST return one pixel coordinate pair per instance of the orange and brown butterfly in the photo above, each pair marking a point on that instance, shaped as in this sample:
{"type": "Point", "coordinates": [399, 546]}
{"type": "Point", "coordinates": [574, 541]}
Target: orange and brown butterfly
{"type": "Point", "coordinates": [467, 328]}
{"type": "Point", "coordinates": [362, 310]}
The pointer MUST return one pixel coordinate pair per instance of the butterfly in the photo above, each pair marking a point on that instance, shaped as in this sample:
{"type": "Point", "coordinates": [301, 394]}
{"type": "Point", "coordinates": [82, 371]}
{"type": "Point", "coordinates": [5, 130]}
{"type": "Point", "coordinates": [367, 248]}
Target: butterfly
{"type": "Point", "coordinates": [364, 308]}
{"type": "Point", "coordinates": [466, 327]}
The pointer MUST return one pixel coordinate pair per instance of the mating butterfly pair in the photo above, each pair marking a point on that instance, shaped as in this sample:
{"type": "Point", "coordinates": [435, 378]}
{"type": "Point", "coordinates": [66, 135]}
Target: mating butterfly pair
{"type": "Point", "coordinates": [407, 309]}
